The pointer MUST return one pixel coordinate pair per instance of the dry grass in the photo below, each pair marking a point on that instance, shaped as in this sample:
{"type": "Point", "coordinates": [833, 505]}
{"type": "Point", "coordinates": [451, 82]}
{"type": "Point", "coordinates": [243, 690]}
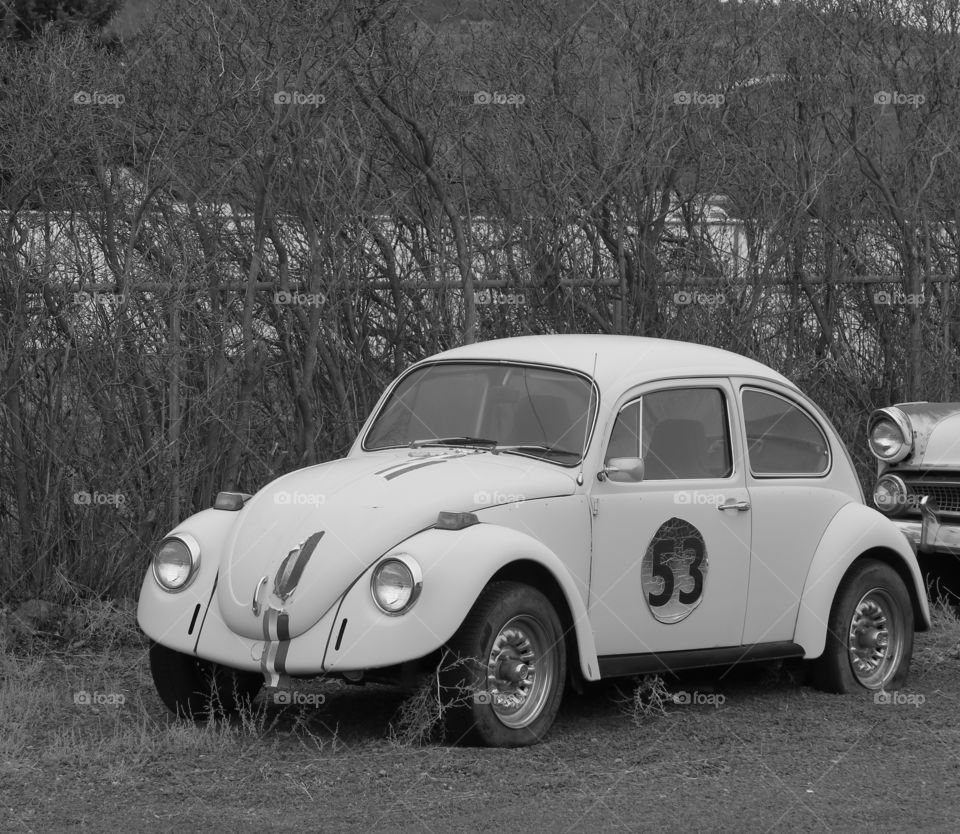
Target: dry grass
{"type": "Point", "coordinates": [419, 718]}
{"type": "Point", "coordinates": [647, 699]}
{"type": "Point", "coordinates": [939, 645]}
{"type": "Point", "coordinates": [89, 703]}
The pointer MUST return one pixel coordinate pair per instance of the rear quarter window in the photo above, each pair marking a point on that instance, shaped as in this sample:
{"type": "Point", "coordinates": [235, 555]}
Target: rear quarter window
{"type": "Point", "coordinates": [782, 439]}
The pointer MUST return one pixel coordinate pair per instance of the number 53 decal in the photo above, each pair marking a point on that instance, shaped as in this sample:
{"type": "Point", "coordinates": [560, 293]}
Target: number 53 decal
{"type": "Point", "coordinates": [674, 570]}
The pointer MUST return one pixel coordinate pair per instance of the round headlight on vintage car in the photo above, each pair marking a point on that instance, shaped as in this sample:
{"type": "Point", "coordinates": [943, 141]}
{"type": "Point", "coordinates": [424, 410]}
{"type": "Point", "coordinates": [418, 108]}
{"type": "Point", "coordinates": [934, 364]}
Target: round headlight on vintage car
{"type": "Point", "coordinates": [890, 494]}
{"type": "Point", "coordinates": [176, 561]}
{"type": "Point", "coordinates": [890, 435]}
{"type": "Point", "coordinates": [396, 583]}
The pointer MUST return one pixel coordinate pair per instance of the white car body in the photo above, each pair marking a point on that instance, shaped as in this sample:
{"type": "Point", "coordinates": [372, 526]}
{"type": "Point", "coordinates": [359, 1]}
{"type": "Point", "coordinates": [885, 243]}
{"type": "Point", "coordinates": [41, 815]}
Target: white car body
{"type": "Point", "coordinates": [773, 549]}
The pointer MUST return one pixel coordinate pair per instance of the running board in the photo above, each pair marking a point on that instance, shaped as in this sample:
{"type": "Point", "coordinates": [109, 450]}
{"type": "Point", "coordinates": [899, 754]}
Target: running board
{"type": "Point", "coordinates": [622, 665]}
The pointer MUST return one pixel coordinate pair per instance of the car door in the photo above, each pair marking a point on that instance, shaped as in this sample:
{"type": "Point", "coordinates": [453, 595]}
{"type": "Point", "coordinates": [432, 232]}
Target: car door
{"type": "Point", "coordinates": [671, 552]}
{"type": "Point", "coordinates": [794, 493]}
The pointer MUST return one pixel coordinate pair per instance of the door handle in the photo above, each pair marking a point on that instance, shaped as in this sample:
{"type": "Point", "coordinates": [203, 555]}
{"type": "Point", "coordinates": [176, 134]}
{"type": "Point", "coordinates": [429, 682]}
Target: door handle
{"type": "Point", "coordinates": [739, 506]}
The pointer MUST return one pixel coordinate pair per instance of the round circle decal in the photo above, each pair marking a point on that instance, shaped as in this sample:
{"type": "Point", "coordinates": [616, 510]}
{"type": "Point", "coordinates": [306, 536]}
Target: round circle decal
{"type": "Point", "coordinates": [674, 570]}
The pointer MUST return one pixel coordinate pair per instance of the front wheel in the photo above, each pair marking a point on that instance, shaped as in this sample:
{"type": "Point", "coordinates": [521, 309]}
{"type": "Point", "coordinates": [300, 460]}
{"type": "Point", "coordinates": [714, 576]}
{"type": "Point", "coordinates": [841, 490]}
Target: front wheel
{"type": "Point", "coordinates": [869, 634]}
{"type": "Point", "coordinates": [197, 689]}
{"type": "Point", "coordinates": [504, 669]}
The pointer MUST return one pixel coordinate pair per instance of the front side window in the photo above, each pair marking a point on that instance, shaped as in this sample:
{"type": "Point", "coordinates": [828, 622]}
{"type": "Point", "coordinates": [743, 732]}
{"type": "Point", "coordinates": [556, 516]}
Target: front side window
{"type": "Point", "coordinates": [782, 440]}
{"type": "Point", "coordinates": [681, 433]}
{"type": "Point", "coordinates": [528, 410]}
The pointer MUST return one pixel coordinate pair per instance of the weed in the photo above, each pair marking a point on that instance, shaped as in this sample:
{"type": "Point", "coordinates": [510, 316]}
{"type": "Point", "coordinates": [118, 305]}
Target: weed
{"type": "Point", "coordinates": [648, 698]}
{"type": "Point", "coordinates": [419, 718]}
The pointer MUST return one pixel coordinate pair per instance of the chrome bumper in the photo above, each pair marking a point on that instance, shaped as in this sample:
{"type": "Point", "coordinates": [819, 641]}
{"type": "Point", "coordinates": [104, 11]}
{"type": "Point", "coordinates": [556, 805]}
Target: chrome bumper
{"type": "Point", "coordinates": [931, 534]}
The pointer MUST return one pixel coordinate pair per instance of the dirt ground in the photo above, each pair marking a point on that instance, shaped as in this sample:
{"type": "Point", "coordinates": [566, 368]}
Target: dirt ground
{"type": "Point", "coordinates": [754, 750]}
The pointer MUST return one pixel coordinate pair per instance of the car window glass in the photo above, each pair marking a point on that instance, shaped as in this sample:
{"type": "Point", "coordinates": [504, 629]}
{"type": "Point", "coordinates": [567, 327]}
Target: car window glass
{"type": "Point", "coordinates": [544, 411]}
{"type": "Point", "coordinates": [680, 433]}
{"type": "Point", "coordinates": [782, 439]}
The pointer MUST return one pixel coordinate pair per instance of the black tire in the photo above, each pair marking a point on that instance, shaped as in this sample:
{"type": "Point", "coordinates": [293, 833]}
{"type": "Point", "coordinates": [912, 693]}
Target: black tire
{"type": "Point", "coordinates": [869, 634]}
{"type": "Point", "coordinates": [504, 671]}
{"type": "Point", "coordinates": [197, 689]}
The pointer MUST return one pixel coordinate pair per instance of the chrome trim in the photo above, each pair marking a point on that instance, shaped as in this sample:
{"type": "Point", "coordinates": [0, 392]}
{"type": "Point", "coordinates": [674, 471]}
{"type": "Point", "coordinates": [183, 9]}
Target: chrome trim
{"type": "Point", "coordinates": [415, 572]}
{"type": "Point", "coordinates": [918, 489]}
{"type": "Point", "coordinates": [900, 420]}
{"type": "Point", "coordinates": [904, 492]}
{"type": "Point", "coordinates": [193, 546]}
{"type": "Point", "coordinates": [256, 607]}
{"type": "Point", "coordinates": [930, 535]}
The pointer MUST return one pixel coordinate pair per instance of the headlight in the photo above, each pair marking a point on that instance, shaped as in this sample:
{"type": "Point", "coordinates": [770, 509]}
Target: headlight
{"type": "Point", "coordinates": [890, 494]}
{"type": "Point", "coordinates": [396, 583]}
{"type": "Point", "coordinates": [890, 434]}
{"type": "Point", "coordinates": [176, 561]}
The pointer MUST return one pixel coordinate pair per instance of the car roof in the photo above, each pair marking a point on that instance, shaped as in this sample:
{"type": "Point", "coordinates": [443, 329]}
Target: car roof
{"type": "Point", "coordinates": [620, 360]}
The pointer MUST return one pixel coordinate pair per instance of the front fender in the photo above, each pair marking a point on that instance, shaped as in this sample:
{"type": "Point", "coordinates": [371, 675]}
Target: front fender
{"type": "Point", "coordinates": [456, 566]}
{"type": "Point", "coordinates": [174, 618]}
{"type": "Point", "coordinates": [853, 531]}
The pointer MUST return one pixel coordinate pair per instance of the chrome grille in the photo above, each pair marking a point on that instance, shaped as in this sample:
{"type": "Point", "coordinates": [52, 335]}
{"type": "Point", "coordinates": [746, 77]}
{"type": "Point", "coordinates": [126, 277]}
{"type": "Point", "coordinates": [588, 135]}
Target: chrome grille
{"type": "Point", "coordinates": [946, 495]}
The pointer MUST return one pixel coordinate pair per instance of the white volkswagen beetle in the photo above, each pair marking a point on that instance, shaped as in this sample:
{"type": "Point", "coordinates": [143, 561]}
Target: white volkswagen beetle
{"type": "Point", "coordinates": [519, 512]}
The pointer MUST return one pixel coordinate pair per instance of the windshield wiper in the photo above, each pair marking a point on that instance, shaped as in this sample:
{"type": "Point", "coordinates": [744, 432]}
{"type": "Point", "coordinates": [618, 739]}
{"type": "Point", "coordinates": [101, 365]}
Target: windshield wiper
{"type": "Point", "coordinates": [537, 447]}
{"type": "Point", "coordinates": [454, 441]}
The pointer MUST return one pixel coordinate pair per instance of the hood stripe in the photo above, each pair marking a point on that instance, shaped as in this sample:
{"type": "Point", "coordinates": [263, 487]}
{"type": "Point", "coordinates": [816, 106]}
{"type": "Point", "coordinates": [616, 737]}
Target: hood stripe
{"type": "Point", "coordinates": [283, 634]}
{"type": "Point", "coordinates": [398, 466]}
{"type": "Point", "coordinates": [418, 465]}
{"type": "Point", "coordinates": [276, 636]}
{"type": "Point", "coordinates": [416, 462]}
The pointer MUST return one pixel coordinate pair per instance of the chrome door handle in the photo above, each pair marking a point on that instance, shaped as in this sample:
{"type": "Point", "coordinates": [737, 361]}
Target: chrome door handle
{"type": "Point", "coordinates": [739, 506]}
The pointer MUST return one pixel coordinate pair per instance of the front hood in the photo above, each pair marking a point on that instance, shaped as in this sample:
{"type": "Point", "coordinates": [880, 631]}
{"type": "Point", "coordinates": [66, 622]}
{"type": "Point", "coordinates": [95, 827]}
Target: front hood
{"type": "Point", "coordinates": [348, 513]}
{"type": "Point", "coordinates": [936, 435]}
{"type": "Point", "coordinates": [942, 447]}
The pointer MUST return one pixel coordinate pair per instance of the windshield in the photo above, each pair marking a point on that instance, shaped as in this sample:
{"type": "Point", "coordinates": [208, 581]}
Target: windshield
{"type": "Point", "coordinates": [515, 408]}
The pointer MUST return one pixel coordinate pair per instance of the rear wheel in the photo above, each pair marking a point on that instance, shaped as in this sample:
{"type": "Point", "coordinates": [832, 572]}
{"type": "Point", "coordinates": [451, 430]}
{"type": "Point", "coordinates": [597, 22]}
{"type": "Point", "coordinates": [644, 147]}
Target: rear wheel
{"type": "Point", "coordinates": [870, 632]}
{"type": "Point", "coordinates": [197, 689]}
{"type": "Point", "coordinates": [505, 668]}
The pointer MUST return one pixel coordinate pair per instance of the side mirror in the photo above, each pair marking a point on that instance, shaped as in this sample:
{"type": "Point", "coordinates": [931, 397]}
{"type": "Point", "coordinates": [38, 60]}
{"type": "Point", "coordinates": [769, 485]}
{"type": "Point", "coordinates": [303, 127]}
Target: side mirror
{"type": "Point", "coordinates": [624, 470]}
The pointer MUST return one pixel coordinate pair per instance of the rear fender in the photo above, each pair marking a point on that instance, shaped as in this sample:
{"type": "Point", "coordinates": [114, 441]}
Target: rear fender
{"type": "Point", "coordinates": [856, 531]}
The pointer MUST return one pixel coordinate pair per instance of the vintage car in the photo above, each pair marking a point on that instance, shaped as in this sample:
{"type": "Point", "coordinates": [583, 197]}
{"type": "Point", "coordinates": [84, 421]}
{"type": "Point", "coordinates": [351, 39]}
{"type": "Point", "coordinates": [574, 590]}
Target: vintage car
{"type": "Point", "coordinates": [917, 447]}
{"type": "Point", "coordinates": [525, 513]}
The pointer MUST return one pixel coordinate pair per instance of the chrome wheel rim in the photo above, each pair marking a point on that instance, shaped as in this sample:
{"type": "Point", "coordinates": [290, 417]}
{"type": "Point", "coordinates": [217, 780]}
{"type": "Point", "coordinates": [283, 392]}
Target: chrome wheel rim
{"type": "Point", "coordinates": [875, 638]}
{"type": "Point", "coordinates": [521, 671]}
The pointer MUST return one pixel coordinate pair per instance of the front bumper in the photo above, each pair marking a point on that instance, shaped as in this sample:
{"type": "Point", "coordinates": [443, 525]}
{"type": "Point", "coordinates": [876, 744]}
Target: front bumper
{"type": "Point", "coordinates": [931, 534]}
